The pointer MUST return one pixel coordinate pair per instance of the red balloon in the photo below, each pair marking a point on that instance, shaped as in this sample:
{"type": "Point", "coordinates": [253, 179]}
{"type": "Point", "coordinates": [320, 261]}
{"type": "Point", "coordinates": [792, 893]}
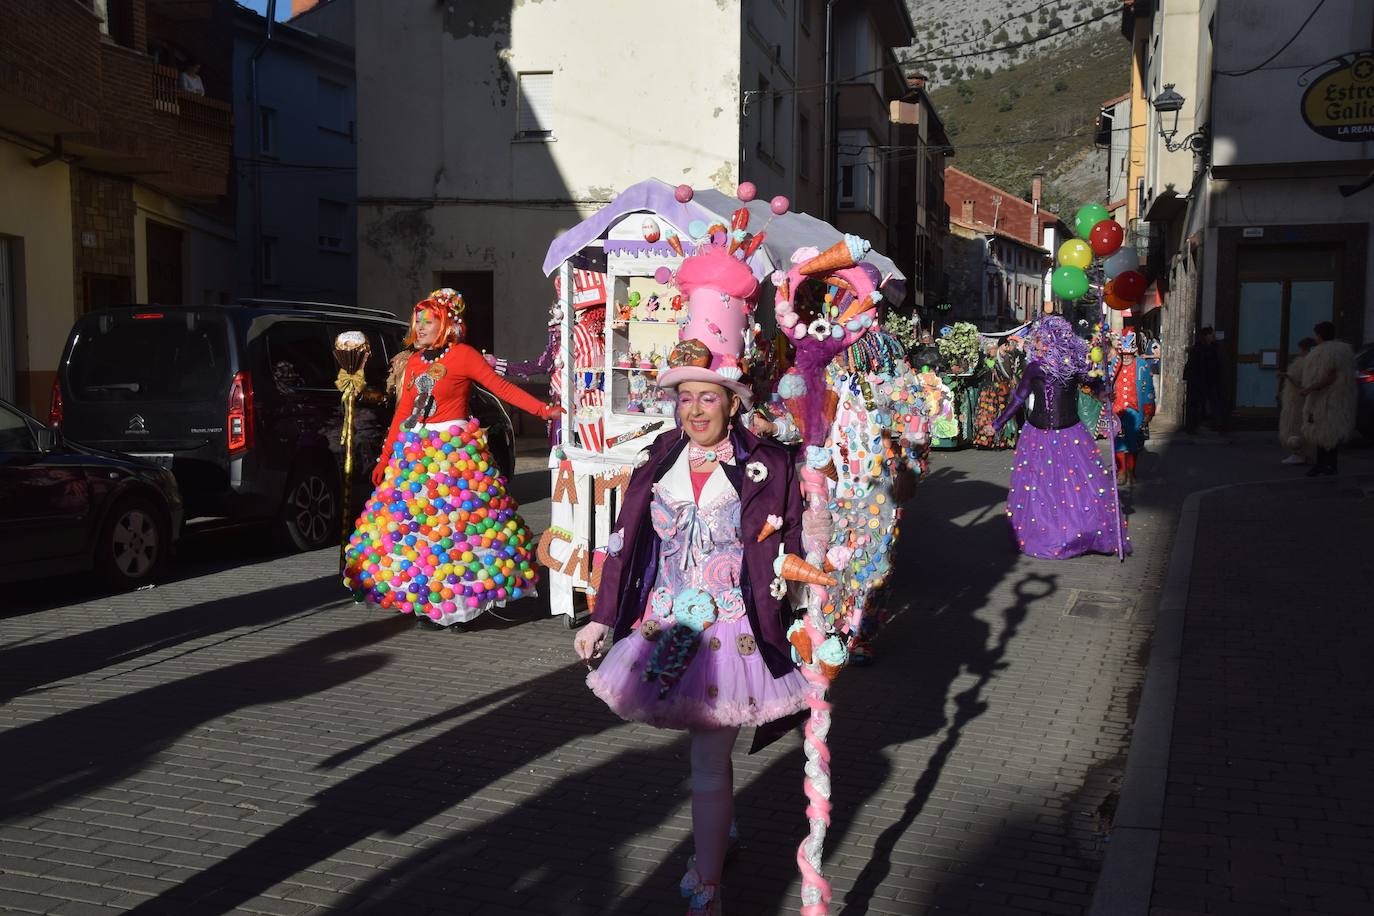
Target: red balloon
{"type": "Point", "coordinates": [1129, 285]}
{"type": "Point", "coordinates": [1113, 298]}
{"type": "Point", "coordinates": [1106, 237]}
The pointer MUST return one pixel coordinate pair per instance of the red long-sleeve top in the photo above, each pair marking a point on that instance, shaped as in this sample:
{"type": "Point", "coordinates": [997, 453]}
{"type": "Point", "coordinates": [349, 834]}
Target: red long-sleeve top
{"type": "Point", "coordinates": [462, 366]}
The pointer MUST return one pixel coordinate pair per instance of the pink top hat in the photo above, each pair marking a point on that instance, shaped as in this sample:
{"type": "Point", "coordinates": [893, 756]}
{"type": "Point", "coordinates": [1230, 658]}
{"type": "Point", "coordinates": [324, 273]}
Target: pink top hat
{"type": "Point", "coordinates": [720, 292]}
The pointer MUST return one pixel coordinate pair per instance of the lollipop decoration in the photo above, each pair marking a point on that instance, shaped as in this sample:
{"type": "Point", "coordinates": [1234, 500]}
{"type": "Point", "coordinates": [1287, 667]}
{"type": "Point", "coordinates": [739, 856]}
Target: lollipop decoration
{"type": "Point", "coordinates": [351, 351]}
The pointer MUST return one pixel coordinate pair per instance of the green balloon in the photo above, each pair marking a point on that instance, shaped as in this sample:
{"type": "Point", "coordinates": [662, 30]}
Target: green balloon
{"type": "Point", "coordinates": [1069, 282]}
{"type": "Point", "coordinates": [1089, 215]}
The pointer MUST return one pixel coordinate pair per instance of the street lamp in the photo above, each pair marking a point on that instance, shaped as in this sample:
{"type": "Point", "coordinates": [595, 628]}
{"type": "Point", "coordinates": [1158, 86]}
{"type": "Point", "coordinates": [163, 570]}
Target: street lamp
{"type": "Point", "coordinates": [1170, 102]}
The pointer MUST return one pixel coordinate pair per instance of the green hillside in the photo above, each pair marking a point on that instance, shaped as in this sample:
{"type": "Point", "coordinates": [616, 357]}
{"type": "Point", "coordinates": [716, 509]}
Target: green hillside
{"type": "Point", "coordinates": [1038, 116]}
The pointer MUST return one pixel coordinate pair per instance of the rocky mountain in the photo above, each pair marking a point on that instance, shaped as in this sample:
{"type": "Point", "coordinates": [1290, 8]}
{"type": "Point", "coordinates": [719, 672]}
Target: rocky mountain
{"type": "Point", "coordinates": [1011, 114]}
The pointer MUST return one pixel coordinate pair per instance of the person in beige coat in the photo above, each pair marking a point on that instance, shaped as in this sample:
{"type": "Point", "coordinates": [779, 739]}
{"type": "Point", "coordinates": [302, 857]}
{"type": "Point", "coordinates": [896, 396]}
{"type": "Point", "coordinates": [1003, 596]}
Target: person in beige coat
{"type": "Point", "coordinates": [1290, 407]}
{"type": "Point", "coordinates": [1330, 399]}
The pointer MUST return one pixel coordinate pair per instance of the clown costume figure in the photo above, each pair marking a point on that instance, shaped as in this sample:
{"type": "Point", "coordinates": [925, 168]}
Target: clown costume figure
{"type": "Point", "coordinates": [439, 537]}
{"type": "Point", "coordinates": [689, 591]}
{"type": "Point", "coordinates": [1133, 402]}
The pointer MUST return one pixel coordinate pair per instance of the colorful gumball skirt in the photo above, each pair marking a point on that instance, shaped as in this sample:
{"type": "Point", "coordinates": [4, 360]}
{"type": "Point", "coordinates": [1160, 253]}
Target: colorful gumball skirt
{"type": "Point", "coordinates": [441, 538]}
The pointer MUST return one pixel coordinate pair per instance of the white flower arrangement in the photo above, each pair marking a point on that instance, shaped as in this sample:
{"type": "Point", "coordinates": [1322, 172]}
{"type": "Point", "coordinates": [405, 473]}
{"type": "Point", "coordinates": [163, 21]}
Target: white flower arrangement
{"type": "Point", "coordinates": [756, 472]}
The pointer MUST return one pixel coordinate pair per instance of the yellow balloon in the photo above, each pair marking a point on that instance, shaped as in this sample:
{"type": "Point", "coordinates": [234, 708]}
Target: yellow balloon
{"type": "Point", "coordinates": [1075, 253]}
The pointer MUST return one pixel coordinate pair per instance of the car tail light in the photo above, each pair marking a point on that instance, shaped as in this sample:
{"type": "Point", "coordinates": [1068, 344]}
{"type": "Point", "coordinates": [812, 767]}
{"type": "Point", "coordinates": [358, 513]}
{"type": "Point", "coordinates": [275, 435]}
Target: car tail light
{"type": "Point", "coordinates": [55, 405]}
{"type": "Point", "coordinates": [1364, 376]}
{"type": "Point", "coordinates": [240, 422]}
{"type": "Point", "coordinates": [147, 316]}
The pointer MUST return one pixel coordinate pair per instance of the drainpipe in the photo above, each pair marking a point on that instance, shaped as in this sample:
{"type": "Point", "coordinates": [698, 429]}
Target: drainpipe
{"type": "Point", "coordinates": [829, 147]}
{"type": "Point", "coordinates": [255, 146]}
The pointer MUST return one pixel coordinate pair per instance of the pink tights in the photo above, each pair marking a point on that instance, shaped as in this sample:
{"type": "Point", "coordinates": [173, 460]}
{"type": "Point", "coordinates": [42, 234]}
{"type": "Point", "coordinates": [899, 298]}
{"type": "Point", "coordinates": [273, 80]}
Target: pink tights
{"type": "Point", "coordinates": [713, 801]}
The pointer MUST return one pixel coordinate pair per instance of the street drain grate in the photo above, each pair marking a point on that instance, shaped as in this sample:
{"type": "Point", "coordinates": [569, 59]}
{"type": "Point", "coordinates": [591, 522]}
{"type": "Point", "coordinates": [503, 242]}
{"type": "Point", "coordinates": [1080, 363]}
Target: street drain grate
{"type": "Point", "coordinates": [1100, 606]}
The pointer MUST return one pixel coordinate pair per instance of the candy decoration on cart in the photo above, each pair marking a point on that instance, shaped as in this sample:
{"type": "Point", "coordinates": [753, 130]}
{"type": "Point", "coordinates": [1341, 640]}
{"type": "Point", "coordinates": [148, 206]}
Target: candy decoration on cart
{"type": "Point", "coordinates": [434, 536]}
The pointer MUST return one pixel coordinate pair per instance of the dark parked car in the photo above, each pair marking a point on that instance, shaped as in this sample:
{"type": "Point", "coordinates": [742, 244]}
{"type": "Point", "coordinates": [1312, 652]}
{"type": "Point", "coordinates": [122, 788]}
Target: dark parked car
{"type": "Point", "coordinates": [239, 401]}
{"type": "Point", "coordinates": [1364, 377]}
{"type": "Point", "coordinates": [68, 508]}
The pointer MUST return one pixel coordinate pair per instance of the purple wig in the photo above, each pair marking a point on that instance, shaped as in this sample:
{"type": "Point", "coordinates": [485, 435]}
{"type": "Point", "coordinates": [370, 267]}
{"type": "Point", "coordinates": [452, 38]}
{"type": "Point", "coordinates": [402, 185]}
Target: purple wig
{"type": "Point", "coordinates": [1061, 353]}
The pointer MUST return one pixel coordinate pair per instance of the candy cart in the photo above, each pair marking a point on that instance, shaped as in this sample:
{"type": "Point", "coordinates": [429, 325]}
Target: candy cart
{"type": "Point", "coordinates": [613, 407]}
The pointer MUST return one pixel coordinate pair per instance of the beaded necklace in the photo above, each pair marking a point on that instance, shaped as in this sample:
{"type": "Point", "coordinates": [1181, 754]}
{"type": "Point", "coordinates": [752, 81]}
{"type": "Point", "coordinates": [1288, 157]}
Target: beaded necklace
{"type": "Point", "coordinates": [438, 354]}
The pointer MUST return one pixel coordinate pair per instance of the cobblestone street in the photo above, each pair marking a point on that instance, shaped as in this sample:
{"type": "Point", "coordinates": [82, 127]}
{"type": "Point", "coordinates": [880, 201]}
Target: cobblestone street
{"type": "Point", "coordinates": [245, 739]}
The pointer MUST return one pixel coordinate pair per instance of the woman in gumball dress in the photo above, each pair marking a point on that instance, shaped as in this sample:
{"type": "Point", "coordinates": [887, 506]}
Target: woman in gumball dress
{"type": "Point", "coordinates": [440, 537]}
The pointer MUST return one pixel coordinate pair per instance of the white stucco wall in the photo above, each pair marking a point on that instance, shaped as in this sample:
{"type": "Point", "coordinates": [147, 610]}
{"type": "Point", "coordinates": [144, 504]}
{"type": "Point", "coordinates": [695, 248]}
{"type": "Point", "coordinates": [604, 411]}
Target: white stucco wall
{"type": "Point", "coordinates": [1173, 59]}
{"type": "Point", "coordinates": [444, 185]}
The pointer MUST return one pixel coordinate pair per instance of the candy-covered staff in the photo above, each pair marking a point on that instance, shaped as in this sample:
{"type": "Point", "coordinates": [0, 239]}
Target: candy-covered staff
{"type": "Point", "coordinates": [851, 400]}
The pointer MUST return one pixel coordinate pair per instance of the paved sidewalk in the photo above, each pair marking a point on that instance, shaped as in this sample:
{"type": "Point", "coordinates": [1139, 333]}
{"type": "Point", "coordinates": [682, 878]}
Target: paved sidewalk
{"type": "Point", "coordinates": [1269, 807]}
{"type": "Point", "coordinates": [242, 740]}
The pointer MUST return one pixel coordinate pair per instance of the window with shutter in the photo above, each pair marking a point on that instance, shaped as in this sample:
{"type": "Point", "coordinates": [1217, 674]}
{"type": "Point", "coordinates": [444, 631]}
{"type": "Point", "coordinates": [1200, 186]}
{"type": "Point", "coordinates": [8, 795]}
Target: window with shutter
{"type": "Point", "coordinates": [534, 107]}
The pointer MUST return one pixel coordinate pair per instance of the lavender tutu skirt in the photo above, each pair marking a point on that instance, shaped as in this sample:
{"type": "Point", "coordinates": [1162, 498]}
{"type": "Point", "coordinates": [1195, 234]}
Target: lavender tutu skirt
{"type": "Point", "coordinates": [1061, 499]}
{"type": "Point", "coordinates": [726, 684]}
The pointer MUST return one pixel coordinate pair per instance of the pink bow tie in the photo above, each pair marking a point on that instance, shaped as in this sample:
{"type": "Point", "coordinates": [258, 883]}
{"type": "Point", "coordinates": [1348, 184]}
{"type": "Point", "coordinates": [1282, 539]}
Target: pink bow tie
{"type": "Point", "coordinates": [706, 459]}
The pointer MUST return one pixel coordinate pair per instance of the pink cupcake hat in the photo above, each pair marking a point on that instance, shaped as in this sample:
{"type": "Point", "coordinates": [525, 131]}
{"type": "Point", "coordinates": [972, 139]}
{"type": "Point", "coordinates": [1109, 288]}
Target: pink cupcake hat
{"type": "Point", "coordinates": [721, 291]}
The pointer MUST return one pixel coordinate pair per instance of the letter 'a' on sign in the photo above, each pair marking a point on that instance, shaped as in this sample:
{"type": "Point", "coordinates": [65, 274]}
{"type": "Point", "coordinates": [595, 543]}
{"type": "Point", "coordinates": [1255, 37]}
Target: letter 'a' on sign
{"type": "Point", "coordinates": [1339, 104]}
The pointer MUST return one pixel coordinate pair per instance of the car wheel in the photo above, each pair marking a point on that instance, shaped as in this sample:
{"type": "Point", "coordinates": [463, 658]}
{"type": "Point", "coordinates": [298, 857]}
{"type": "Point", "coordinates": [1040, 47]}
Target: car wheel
{"type": "Point", "coordinates": [133, 542]}
{"type": "Point", "coordinates": [310, 510]}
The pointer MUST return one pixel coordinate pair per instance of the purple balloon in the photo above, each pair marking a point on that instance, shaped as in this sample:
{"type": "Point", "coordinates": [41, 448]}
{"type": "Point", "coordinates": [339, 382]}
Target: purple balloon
{"type": "Point", "coordinates": [683, 193]}
{"type": "Point", "coordinates": [779, 205]}
{"type": "Point", "coordinates": [746, 191]}
{"type": "Point", "coordinates": [663, 276]}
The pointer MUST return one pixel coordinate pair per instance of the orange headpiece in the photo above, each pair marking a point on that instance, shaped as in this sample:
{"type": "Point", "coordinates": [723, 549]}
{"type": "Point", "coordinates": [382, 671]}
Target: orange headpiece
{"type": "Point", "coordinates": [446, 305]}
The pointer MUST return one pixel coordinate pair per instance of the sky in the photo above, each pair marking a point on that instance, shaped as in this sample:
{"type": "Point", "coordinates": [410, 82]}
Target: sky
{"type": "Point", "coordinates": [283, 7]}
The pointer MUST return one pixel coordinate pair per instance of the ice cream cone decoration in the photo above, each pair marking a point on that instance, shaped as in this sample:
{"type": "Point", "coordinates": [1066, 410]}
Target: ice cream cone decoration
{"type": "Point", "coordinates": [847, 252]}
{"type": "Point", "coordinates": [754, 244]}
{"type": "Point", "coordinates": [856, 308]}
{"type": "Point", "coordinates": [740, 219]}
{"type": "Point", "coordinates": [801, 642]}
{"type": "Point", "coordinates": [830, 471]}
{"type": "Point", "coordinates": [771, 525]}
{"type": "Point", "coordinates": [794, 569]}
{"type": "Point", "coordinates": [674, 242]}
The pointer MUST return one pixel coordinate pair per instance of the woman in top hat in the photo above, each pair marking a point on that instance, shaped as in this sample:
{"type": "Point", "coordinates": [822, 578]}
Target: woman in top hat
{"type": "Point", "coordinates": [440, 538]}
{"type": "Point", "coordinates": [1061, 500]}
{"type": "Point", "coordinates": [688, 590]}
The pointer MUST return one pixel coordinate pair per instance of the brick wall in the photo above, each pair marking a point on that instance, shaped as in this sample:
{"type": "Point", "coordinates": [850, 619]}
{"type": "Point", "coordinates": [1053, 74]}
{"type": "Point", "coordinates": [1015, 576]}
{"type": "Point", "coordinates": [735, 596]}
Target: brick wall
{"type": "Point", "coordinates": [103, 206]}
{"type": "Point", "coordinates": [50, 57]}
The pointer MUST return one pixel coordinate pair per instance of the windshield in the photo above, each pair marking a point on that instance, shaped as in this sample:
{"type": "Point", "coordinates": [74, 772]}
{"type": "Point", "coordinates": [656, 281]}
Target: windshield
{"type": "Point", "coordinates": [149, 355]}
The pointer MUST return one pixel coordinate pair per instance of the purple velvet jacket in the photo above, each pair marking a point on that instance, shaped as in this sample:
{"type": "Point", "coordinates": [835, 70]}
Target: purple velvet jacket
{"type": "Point", "coordinates": [628, 577]}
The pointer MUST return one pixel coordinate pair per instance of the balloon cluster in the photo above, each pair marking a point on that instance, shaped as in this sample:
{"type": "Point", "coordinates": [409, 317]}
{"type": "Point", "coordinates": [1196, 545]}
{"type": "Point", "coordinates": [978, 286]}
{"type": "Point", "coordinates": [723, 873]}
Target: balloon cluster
{"type": "Point", "coordinates": [440, 536]}
{"type": "Point", "coordinates": [1101, 236]}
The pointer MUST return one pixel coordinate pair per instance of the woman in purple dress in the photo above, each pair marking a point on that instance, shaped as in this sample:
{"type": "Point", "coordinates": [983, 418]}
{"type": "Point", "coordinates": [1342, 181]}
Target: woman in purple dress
{"type": "Point", "coordinates": [1062, 502]}
{"type": "Point", "coordinates": [688, 590]}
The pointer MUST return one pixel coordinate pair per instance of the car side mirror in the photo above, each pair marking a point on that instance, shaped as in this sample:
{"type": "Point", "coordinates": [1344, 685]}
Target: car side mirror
{"type": "Point", "coordinates": [50, 439]}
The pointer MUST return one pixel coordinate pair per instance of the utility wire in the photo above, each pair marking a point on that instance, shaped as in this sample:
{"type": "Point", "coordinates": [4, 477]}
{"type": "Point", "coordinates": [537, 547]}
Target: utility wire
{"type": "Point", "coordinates": [1270, 59]}
{"type": "Point", "coordinates": [993, 31]}
{"type": "Point", "coordinates": [749, 93]}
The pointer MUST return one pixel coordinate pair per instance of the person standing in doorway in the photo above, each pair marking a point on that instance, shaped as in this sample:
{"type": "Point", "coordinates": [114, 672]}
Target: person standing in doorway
{"type": "Point", "coordinates": [1202, 373]}
{"type": "Point", "coordinates": [1290, 406]}
{"type": "Point", "coordinates": [1330, 399]}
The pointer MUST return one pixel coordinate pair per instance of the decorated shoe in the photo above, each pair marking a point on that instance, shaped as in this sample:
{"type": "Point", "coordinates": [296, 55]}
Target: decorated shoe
{"type": "Point", "coordinates": [702, 899]}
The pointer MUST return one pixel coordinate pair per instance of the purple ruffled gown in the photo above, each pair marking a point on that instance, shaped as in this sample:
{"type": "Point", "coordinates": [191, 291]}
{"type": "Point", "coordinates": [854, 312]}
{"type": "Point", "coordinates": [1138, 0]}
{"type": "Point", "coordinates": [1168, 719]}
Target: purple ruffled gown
{"type": "Point", "coordinates": [722, 680]}
{"type": "Point", "coordinates": [1061, 500]}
